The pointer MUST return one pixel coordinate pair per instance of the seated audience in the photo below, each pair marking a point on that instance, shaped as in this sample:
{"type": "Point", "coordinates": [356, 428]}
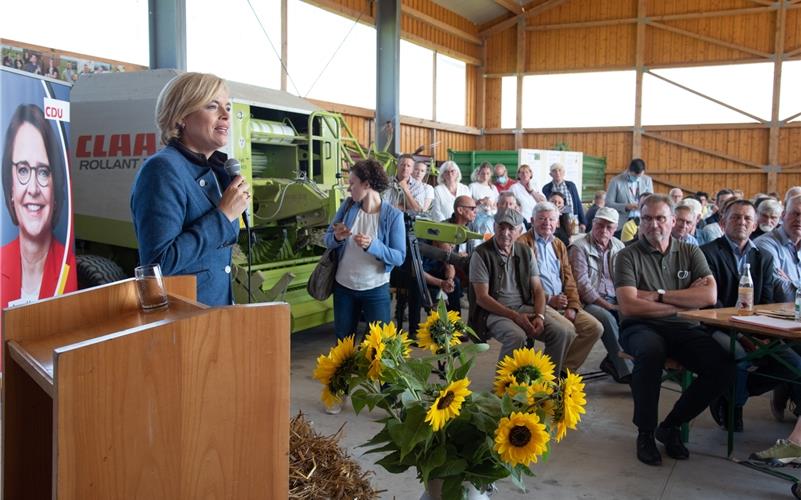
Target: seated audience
{"type": "Point", "coordinates": [655, 278]}
{"type": "Point", "coordinates": [599, 201]}
{"type": "Point", "coordinates": [525, 189]}
{"type": "Point", "coordinates": [676, 195]}
{"type": "Point", "coordinates": [563, 309]}
{"type": "Point", "coordinates": [485, 193]}
{"type": "Point", "coordinates": [449, 186]}
{"type": "Point", "coordinates": [711, 230]}
{"type": "Point", "coordinates": [563, 223]}
{"type": "Point", "coordinates": [502, 180]}
{"type": "Point", "coordinates": [685, 225]}
{"type": "Point", "coordinates": [568, 190]}
{"type": "Point", "coordinates": [783, 243]}
{"type": "Point", "coordinates": [785, 451]}
{"type": "Point", "coordinates": [727, 257]}
{"type": "Point", "coordinates": [592, 259]}
{"type": "Point", "coordinates": [769, 212]}
{"type": "Point", "coordinates": [441, 279]}
{"type": "Point", "coordinates": [404, 191]}
{"type": "Point", "coordinates": [407, 194]}
{"type": "Point", "coordinates": [703, 197]}
{"type": "Point", "coordinates": [507, 301]}
{"type": "Point", "coordinates": [420, 173]}
{"type": "Point", "coordinates": [629, 230]}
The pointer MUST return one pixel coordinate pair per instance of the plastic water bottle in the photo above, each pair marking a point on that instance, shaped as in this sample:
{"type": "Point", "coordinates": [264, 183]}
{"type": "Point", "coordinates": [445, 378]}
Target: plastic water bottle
{"type": "Point", "coordinates": [798, 303]}
{"type": "Point", "coordinates": [745, 293]}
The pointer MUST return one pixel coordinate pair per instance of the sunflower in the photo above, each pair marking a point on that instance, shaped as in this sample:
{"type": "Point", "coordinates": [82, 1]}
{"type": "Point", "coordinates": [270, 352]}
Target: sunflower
{"type": "Point", "coordinates": [431, 334]}
{"type": "Point", "coordinates": [521, 438]}
{"type": "Point", "coordinates": [334, 370]}
{"type": "Point", "coordinates": [448, 404]}
{"type": "Point", "coordinates": [568, 414]}
{"type": "Point", "coordinates": [373, 348]}
{"type": "Point", "coordinates": [503, 384]}
{"type": "Point", "coordinates": [391, 335]}
{"type": "Point", "coordinates": [527, 366]}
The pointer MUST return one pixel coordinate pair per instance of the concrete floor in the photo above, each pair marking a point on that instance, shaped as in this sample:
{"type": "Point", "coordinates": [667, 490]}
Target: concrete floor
{"type": "Point", "coordinates": [597, 461]}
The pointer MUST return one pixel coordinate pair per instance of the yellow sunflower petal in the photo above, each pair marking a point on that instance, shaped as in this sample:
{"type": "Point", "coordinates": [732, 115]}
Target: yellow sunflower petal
{"type": "Point", "coordinates": [521, 438]}
{"type": "Point", "coordinates": [330, 369]}
{"type": "Point", "coordinates": [573, 402]}
{"type": "Point", "coordinates": [448, 404]}
{"type": "Point", "coordinates": [527, 366]}
{"type": "Point", "coordinates": [502, 384]}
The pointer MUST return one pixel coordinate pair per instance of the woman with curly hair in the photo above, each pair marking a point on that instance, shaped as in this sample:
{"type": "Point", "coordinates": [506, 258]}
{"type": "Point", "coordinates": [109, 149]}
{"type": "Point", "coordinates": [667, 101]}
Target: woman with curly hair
{"type": "Point", "coordinates": [370, 239]}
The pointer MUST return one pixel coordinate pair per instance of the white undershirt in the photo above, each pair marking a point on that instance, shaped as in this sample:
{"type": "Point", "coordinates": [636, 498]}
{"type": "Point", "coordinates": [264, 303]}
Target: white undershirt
{"type": "Point", "coordinates": [358, 269]}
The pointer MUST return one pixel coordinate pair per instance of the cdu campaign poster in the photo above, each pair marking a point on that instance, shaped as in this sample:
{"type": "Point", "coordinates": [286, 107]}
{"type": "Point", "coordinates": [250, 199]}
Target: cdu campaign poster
{"type": "Point", "coordinates": [37, 248]}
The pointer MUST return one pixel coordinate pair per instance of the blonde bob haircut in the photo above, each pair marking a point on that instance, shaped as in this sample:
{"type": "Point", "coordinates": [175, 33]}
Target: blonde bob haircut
{"type": "Point", "coordinates": [182, 96]}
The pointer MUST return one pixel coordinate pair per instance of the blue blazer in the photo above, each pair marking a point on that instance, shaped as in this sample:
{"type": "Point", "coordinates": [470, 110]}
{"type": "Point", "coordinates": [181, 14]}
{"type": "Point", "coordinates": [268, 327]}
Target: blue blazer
{"type": "Point", "coordinates": [174, 205]}
{"type": "Point", "coordinates": [578, 208]}
{"type": "Point", "coordinates": [390, 245]}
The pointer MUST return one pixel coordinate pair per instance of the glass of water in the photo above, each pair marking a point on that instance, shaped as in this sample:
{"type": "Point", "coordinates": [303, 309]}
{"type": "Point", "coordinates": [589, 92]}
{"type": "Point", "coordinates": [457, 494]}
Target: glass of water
{"type": "Point", "coordinates": [150, 288]}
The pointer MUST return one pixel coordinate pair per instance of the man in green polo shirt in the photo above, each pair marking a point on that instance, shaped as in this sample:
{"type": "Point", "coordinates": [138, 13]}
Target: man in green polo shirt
{"type": "Point", "coordinates": [655, 278]}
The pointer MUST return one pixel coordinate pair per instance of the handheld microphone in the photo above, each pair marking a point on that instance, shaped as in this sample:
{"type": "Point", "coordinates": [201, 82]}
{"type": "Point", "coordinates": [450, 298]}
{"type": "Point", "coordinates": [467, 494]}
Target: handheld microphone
{"type": "Point", "coordinates": [233, 168]}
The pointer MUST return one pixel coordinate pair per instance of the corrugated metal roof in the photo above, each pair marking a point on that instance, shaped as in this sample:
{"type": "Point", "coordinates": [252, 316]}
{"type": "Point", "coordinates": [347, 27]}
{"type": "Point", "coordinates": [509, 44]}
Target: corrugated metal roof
{"type": "Point", "coordinates": [478, 11]}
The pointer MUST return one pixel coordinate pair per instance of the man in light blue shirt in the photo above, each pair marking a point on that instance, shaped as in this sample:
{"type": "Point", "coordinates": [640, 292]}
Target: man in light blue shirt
{"type": "Point", "coordinates": [563, 309]}
{"type": "Point", "coordinates": [784, 245]}
{"type": "Point", "coordinates": [685, 224]}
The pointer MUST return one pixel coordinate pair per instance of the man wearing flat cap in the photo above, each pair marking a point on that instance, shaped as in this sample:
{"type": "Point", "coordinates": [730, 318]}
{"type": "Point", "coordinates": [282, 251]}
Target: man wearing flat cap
{"type": "Point", "coordinates": [592, 258]}
{"type": "Point", "coordinates": [507, 301]}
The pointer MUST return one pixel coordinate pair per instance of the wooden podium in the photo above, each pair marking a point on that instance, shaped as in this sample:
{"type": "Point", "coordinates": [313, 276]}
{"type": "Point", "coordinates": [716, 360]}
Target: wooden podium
{"type": "Point", "coordinates": [102, 401]}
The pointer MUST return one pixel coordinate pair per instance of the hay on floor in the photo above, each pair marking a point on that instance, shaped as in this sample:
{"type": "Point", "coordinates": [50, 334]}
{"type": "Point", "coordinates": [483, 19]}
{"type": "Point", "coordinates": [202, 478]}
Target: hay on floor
{"type": "Point", "coordinates": [319, 468]}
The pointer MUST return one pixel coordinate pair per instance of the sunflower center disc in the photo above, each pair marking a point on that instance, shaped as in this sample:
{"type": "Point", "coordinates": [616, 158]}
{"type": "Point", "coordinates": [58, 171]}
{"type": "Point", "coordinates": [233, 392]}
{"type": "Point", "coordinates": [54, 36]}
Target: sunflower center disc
{"type": "Point", "coordinates": [445, 401]}
{"type": "Point", "coordinates": [519, 436]}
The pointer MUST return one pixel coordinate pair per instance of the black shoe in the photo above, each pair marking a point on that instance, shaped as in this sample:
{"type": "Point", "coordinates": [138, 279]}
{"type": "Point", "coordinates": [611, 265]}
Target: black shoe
{"type": "Point", "coordinates": [778, 400]}
{"type": "Point", "coordinates": [608, 367]}
{"type": "Point", "coordinates": [718, 410]}
{"type": "Point", "coordinates": [671, 438]}
{"type": "Point", "coordinates": [646, 449]}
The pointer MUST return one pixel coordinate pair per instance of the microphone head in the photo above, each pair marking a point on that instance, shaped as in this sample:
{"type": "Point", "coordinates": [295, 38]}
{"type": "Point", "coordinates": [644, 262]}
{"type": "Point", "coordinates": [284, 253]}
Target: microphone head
{"type": "Point", "coordinates": [232, 167]}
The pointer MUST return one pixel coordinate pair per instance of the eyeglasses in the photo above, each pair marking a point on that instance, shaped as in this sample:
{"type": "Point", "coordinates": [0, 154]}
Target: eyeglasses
{"type": "Point", "coordinates": [23, 169]}
{"type": "Point", "coordinates": [467, 206]}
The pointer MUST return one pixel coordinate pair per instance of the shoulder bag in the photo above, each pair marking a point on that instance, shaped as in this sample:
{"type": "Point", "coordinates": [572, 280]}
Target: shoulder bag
{"type": "Point", "coordinates": [321, 281]}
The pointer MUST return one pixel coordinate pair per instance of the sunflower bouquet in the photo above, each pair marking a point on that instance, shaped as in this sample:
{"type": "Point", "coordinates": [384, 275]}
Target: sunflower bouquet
{"type": "Point", "coordinates": [433, 421]}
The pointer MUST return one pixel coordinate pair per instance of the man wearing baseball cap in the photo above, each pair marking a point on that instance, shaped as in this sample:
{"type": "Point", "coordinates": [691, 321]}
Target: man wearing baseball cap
{"type": "Point", "coordinates": [507, 301]}
{"type": "Point", "coordinates": [592, 258]}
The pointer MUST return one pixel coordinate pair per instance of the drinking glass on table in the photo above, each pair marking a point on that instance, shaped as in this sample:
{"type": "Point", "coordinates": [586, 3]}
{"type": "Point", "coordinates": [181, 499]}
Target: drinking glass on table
{"type": "Point", "coordinates": [150, 287]}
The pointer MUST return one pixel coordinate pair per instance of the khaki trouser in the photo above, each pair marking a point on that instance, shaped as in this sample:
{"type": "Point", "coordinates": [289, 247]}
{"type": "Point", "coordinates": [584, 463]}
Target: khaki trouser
{"type": "Point", "coordinates": [556, 338]}
{"type": "Point", "coordinates": [586, 329]}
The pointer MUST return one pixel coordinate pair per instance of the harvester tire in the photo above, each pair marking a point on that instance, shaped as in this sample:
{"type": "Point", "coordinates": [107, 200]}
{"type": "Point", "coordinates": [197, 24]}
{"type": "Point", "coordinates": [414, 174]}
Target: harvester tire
{"type": "Point", "coordinates": [94, 270]}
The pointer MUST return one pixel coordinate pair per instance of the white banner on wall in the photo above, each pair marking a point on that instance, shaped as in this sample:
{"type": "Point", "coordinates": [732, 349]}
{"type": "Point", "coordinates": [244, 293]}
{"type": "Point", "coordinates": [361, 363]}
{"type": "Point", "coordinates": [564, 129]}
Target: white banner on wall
{"type": "Point", "coordinates": [540, 161]}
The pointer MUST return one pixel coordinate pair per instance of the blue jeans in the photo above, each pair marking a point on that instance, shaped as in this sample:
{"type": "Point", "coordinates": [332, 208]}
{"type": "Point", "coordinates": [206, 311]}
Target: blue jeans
{"type": "Point", "coordinates": [350, 304]}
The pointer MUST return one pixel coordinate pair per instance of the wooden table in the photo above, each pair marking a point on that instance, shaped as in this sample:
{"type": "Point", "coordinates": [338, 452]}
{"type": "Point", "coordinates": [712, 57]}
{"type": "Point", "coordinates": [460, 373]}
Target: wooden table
{"type": "Point", "coordinates": [722, 319]}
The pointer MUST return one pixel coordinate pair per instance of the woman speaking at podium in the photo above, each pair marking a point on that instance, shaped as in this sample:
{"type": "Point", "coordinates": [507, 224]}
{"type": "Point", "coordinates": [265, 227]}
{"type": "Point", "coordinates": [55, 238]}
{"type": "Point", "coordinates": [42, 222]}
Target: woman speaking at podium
{"type": "Point", "coordinates": [185, 206]}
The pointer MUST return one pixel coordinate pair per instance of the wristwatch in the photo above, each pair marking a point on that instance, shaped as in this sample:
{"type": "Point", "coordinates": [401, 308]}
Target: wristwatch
{"type": "Point", "coordinates": [540, 316]}
{"type": "Point", "coordinates": [661, 293]}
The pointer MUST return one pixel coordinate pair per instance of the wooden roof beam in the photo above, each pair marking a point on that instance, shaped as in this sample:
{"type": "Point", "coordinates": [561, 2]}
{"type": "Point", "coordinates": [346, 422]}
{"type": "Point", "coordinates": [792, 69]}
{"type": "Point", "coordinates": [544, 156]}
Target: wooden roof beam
{"type": "Point", "coordinates": [447, 28]}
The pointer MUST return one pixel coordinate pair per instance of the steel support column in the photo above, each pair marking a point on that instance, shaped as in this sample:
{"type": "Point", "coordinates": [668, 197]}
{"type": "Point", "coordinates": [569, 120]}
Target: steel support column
{"type": "Point", "coordinates": [387, 23]}
{"type": "Point", "coordinates": [167, 26]}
